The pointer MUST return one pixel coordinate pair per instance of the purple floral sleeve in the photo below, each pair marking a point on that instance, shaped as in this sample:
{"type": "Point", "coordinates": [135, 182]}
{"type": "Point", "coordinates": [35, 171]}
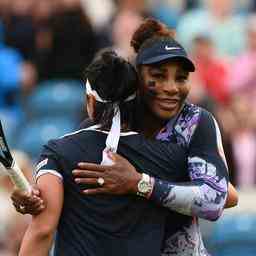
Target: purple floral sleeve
{"type": "Point", "coordinates": [206, 194]}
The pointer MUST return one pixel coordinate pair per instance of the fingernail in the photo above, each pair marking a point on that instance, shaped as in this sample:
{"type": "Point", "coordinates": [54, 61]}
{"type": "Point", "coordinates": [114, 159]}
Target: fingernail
{"type": "Point", "coordinates": [85, 192]}
{"type": "Point", "coordinates": [77, 180]}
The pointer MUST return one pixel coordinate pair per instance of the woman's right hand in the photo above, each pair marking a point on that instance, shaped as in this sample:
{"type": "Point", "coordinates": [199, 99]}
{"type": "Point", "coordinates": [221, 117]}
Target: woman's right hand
{"type": "Point", "coordinates": [25, 203]}
{"type": "Point", "coordinates": [121, 178]}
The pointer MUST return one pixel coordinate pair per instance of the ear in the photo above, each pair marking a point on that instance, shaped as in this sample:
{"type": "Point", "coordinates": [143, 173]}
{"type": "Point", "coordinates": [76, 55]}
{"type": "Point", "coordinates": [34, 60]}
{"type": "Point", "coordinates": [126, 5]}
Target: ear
{"type": "Point", "coordinates": [91, 106]}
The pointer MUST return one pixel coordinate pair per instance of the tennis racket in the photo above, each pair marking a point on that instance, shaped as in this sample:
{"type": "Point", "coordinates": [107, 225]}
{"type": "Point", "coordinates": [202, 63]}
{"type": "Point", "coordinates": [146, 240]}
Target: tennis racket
{"type": "Point", "coordinates": [11, 168]}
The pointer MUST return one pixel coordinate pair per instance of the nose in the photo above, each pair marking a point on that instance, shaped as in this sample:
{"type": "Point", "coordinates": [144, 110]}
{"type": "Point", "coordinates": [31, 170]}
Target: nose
{"type": "Point", "coordinates": [170, 87]}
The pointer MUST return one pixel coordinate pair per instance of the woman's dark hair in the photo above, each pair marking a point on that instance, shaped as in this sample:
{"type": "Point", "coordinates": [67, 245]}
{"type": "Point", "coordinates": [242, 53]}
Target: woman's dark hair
{"type": "Point", "coordinates": [114, 79]}
{"type": "Point", "coordinates": [149, 32]}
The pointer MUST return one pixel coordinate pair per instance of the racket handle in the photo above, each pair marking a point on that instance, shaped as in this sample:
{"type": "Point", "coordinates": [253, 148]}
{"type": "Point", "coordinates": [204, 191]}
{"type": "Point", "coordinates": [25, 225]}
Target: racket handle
{"type": "Point", "coordinates": [18, 179]}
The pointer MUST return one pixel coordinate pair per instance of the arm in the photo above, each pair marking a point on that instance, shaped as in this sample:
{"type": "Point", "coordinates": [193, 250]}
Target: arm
{"type": "Point", "coordinates": [122, 178]}
{"type": "Point", "coordinates": [232, 199]}
{"type": "Point", "coordinates": [39, 235]}
{"type": "Point", "coordinates": [193, 198]}
{"type": "Point", "coordinates": [38, 238]}
{"type": "Point", "coordinates": [205, 196]}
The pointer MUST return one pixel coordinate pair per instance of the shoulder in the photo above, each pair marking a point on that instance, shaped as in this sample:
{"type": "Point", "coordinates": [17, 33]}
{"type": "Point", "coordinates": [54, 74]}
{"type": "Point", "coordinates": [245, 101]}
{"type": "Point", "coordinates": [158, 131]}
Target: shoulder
{"type": "Point", "coordinates": [65, 140]}
{"type": "Point", "coordinates": [77, 134]}
{"type": "Point", "coordinates": [186, 124]}
{"type": "Point", "coordinates": [86, 123]}
{"type": "Point", "coordinates": [192, 119]}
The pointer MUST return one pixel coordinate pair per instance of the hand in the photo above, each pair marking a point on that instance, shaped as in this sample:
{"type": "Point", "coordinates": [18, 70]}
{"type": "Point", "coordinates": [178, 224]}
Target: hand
{"type": "Point", "coordinates": [25, 203]}
{"type": "Point", "coordinates": [121, 178]}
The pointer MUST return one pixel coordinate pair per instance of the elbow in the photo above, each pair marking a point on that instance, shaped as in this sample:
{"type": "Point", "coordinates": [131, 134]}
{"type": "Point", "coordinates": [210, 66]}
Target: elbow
{"type": "Point", "coordinates": [231, 203]}
{"type": "Point", "coordinates": [210, 214]}
{"type": "Point", "coordinates": [215, 216]}
{"type": "Point", "coordinates": [232, 198]}
{"type": "Point", "coordinates": [214, 211]}
{"type": "Point", "coordinates": [44, 232]}
{"type": "Point", "coordinates": [235, 203]}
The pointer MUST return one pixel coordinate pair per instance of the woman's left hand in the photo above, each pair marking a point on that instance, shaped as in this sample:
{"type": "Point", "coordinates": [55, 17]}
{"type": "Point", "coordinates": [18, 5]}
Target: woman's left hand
{"type": "Point", "coordinates": [119, 179]}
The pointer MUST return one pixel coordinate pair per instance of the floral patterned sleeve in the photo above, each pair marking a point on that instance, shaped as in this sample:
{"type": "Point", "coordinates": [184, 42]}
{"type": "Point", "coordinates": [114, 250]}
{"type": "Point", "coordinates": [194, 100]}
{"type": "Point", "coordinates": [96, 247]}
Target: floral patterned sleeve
{"type": "Point", "coordinates": [205, 195]}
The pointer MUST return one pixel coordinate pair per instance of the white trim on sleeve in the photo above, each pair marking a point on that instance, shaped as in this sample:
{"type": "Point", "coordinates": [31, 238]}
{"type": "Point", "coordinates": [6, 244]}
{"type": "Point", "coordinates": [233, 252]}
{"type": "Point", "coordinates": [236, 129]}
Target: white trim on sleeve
{"type": "Point", "coordinates": [53, 172]}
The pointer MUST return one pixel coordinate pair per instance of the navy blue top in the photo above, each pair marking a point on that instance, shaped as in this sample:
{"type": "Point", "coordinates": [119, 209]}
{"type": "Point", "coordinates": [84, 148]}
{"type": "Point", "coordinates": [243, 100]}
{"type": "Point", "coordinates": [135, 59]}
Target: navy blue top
{"type": "Point", "coordinates": [104, 224]}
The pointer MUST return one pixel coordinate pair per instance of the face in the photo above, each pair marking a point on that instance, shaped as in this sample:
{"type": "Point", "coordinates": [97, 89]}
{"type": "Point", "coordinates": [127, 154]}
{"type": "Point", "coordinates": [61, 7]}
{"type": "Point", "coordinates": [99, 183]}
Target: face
{"type": "Point", "coordinates": [164, 88]}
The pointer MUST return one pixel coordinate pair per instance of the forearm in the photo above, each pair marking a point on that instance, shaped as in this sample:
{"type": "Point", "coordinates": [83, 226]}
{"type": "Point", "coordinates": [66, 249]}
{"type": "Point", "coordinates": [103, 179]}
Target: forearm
{"type": "Point", "coordinates": [36, 242]}
{"type": "Point", "coordinates": [195, 198]}
{"type": "Point", "coordinates": [232, 199]}
{"type": "Point", "coordinates": [40, 233]}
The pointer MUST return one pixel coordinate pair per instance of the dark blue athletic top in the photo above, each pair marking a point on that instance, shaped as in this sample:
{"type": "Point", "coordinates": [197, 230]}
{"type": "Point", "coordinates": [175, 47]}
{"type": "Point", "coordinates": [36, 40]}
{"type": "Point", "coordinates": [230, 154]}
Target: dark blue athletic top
{"type": "Point", "coordinates": [103, 224]}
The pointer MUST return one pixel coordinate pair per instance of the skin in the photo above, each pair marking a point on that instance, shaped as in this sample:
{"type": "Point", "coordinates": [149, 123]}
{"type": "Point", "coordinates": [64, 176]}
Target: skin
{"type": "Point", "coordinates": [163, 92]}
{"type": "Point", "coordinates": [165, 98]}
{"type": "Point", "coordinates": [40, 233]}
{"type": "Point", "coordinates": [171, 89]}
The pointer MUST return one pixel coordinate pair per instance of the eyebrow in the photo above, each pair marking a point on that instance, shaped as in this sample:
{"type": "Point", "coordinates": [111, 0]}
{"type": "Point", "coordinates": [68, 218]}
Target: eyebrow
{"type": "Point", "coordinates": [182, 71]}
{"type": "Point", "coordinates": [157, 68]}
{"type": "Point", "coordinates": [162, 68]}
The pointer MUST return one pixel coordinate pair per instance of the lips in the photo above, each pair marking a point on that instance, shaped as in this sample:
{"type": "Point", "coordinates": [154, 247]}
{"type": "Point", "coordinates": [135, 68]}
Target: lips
{"type": "Point", "coordinates": [167, 103]}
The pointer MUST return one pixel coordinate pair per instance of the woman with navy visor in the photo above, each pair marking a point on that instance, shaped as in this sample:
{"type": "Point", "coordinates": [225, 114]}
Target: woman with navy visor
{"type": "Point", "coordinates": [102, 225]}
{"type": "Point", "coordinates": [163, 68]}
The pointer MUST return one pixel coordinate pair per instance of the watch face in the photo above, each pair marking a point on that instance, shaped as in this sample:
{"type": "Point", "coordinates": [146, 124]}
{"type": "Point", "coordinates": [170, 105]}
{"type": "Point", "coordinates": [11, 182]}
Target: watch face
{"type": "Point", "coordinates": [143, 187]}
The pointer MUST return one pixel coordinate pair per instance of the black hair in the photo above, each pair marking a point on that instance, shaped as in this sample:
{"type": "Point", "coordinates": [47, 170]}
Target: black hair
{"type": "Point", "coordinates": [114, 79]}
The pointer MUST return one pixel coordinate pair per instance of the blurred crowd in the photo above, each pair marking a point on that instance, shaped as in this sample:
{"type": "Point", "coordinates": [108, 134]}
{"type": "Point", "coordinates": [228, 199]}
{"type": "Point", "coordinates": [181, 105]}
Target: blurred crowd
{"type": "Point", "coordinates": [46, 44]}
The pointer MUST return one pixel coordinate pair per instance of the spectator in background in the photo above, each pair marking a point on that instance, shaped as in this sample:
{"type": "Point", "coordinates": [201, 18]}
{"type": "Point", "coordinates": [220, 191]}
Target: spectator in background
{"type": "Point", "coordinates": [124, 25]}
{"type": "Point", "coordinates": [244, 141]}
{"type": "Point", "coordinates": [72, 41]}
{"type": "Point", "coordinates": [100, 13]}
{"type": "Point", "coordinates": [42, 18]}
{"type": "Point", "coordinates": [4, 9]}
{"type": "Point", "coordinates": [16, 77]}
{"type": "Point", "coordinates": [243, 86]}
{"type": "Point", "coordinates": [217, 19]}
{"type": "Point", "coordinates": [19, 28]}
{"type": "Point", "coordinates": [138, 6]}
{"type": "Point", "coordinates": [212, 71]}
{"type": "Point", "coordinates": [243, 72]}
{"type": "Point", "coordinates": [168, 11]}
